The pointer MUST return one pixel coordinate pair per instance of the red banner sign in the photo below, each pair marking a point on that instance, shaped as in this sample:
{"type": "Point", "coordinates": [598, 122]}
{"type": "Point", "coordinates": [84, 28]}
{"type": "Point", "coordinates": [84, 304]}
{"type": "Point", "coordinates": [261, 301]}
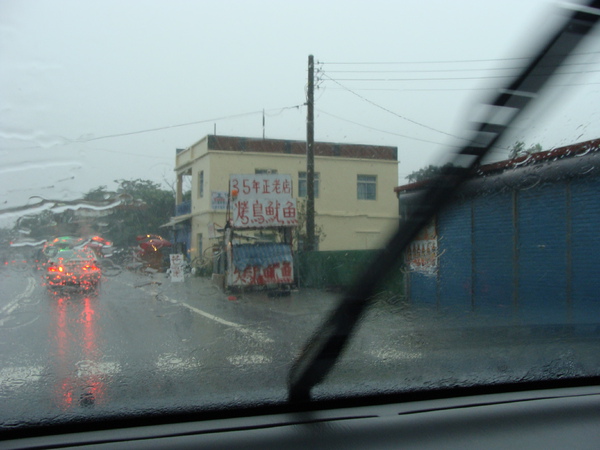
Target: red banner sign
{"type": "Point", "coordinates": [279, 273]}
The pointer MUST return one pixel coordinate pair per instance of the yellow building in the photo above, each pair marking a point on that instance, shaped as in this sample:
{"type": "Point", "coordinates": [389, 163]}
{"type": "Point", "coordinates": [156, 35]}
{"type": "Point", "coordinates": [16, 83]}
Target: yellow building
{"type": "Point", "coordinates": [355, 203]}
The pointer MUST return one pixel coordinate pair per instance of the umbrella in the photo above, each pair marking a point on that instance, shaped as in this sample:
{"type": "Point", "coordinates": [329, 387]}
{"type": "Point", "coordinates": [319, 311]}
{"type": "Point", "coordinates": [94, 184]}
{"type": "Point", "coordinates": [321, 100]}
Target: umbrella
{"type": "Point", "coordinates": [145, 237]}
{"type": "Point", "coordinates": [154, 243]}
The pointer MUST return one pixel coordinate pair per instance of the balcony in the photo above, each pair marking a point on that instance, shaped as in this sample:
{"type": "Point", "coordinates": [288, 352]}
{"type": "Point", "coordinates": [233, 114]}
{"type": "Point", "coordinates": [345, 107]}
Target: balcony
{"type": "Point", "coordinates": [183, 208]}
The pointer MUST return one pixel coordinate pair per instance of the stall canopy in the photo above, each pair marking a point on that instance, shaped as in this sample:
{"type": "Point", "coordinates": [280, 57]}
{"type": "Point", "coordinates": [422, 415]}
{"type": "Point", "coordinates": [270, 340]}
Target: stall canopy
{"type": "Point", "coordinates": [177, 219]}
{"type": "Point", "coordinates": [261, 255]}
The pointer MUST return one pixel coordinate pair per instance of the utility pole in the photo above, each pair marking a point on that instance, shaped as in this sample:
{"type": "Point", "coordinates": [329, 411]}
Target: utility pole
{"type": "Point", "coordinates": [310, 158]}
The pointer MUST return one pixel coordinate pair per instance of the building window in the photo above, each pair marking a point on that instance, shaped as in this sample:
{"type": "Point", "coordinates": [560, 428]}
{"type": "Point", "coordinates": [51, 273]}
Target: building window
{"type": "Point", "coordinates": [264, 171]}
{"type": "Point", "coordinates": [302, 184]}
{"type": "Point", "coordinates": [201, 184]}
{"type": "Point", "coordinates": [367, 187]}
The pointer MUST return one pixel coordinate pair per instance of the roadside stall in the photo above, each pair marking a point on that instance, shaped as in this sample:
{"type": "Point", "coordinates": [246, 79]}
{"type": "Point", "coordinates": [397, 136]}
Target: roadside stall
{"type": "Point", "coordinates": [261, 215]}
{"type": "Point", "coordinates": [150, 253]}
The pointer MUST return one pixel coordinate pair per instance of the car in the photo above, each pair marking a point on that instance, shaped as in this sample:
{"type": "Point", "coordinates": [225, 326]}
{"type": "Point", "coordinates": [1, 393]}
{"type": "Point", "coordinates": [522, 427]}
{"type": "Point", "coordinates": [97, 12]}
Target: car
{"type": "Point", "coordinates": [100, 246]}
{"type": "Point", "coordinates": [52, 246]}
{"type": "Point", "coordinates": [73, 268]}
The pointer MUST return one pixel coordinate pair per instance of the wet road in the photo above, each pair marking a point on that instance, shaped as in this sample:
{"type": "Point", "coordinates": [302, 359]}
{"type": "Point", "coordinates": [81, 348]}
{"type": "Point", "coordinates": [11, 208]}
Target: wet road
{"type": "Point", "coordinates": [144, 342]}
{"type": "Point", "coordinates": [139, 339]}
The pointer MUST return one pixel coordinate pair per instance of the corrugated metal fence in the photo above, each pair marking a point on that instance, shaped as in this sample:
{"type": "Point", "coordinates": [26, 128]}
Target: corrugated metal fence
{"type": "Point", "coordinates": [530, 254]}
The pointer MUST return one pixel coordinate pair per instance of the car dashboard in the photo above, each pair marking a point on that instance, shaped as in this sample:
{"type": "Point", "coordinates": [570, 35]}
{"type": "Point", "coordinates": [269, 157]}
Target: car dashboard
{"type": "Point", "coordinates": [548, 418]}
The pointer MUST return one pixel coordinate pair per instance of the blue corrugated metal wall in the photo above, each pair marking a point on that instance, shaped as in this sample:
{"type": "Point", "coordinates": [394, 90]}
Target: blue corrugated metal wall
{"type": "Point", "coordinates": [493, 234]}
{"type": "Point", "coordinates": [423, 288]}
{"type": "Point", "coordinates": [542, 250]}
{"type": "Point", "coordinates": [585, 245]}
{"type": "Point", "coordinates": [454, 247]}
{"type": "Point", "coordinates": [529, 254]}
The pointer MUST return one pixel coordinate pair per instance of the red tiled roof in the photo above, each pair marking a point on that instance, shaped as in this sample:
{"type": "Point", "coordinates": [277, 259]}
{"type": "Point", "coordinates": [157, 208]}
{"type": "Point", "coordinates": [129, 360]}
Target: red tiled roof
{"type": "Point", "coordinates": [556, 154]}
{"type": "Point", "coordinates": [244, 144]}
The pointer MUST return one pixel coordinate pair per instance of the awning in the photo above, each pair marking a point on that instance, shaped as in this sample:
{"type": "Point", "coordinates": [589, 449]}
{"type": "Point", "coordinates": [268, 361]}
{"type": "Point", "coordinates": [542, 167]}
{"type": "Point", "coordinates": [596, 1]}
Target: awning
{"type": "Point", "coordinates": [177, 219]}
{"type": "Point", "coordinates": [261, 255]}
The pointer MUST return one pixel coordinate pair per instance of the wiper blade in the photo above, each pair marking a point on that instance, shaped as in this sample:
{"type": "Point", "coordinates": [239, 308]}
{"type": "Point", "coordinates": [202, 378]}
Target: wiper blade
{"type": "Point", "coordinates": [325, 347]}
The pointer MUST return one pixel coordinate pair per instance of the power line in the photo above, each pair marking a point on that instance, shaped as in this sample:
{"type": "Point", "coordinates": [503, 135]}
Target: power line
{"type": "Point", "coordinates": [67, 141]}
{"type": "Point", "coordinates": [119, 152]}
{"type": "Point", "coordinates": [457, 78]}
{"type": "Point", "coordinates": [384, 131]}
{"type": "Point", "coordinates": [393, 112]}
{"type": "Point", "coordinates": [394, 133]}
{"type": "Point", "coordinates": [450, 89]}
{"type": "Point", "coordinates": [149, 130]}
{"type": "Point", "coordinates": [448, 61]}
{"type": "Point", "coordinates": [472, 69]}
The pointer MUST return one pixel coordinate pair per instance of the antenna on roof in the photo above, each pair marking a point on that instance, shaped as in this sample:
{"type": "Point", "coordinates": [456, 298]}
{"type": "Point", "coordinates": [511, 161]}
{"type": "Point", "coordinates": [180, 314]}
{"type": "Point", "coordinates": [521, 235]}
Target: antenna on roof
{"type": "Point", "coordinates": [263, 124]}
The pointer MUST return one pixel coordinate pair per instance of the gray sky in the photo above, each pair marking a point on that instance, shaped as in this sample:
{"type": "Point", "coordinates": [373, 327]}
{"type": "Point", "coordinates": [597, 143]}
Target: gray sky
{"type": "Point", "coordinates": [75, 72]}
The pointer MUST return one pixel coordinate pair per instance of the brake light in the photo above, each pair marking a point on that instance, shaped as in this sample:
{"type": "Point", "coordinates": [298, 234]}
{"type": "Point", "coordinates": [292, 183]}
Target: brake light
{"type": "Point", "coordinates": [56, 269]}
{"type": "Point", "coordinates": [90, 267]}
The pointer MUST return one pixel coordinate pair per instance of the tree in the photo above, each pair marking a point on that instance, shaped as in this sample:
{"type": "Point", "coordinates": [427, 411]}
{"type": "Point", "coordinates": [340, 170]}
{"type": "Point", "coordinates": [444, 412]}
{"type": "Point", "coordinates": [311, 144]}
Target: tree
{"type": "Point", "coordinates": [426, 173]}
{"type": "Point", "coordinates": [138, 207]}
{"type": "Point", "coordinates": [430, 171]}
{"type": "Point", "coordinates": [518, 149]}
{"type": "Point", "coordinates": [151, 208]}
{"type": "Point", "coordinates": [146, 208]}
{"type": "Point", "coordinates": [98, 194]}
{"type": "Point", "coordinates": [41, 225]}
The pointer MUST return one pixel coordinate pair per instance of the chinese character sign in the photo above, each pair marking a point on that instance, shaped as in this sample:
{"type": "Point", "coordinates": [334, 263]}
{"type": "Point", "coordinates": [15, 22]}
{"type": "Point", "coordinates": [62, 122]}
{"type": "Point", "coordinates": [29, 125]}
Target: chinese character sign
{"type": "Point", "coordinates": [218, 200]}
{"type": "Point", "coordinates": [263, 201]}
{"type": "Point", "coordinates": [422, 253]}
{"type": "Point", "coordinates": [177, 263]}
{"type": "Point", "coordinates": [278, 273]}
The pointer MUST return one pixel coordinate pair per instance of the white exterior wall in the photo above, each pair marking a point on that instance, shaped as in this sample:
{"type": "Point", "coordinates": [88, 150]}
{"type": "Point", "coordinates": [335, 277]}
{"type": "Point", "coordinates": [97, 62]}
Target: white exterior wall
{"type": "Point", "coordinates": [347, 222]}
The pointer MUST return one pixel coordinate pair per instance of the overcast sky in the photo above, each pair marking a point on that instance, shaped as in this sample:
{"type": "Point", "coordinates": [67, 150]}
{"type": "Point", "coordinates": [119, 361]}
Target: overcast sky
{"type": "Point", "coordinates": [83, 82]}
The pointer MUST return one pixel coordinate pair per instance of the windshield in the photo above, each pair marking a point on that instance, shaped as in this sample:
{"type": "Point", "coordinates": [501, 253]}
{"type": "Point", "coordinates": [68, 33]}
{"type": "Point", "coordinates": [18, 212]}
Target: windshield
{"type": "Point", "coordinates": [191, 188]}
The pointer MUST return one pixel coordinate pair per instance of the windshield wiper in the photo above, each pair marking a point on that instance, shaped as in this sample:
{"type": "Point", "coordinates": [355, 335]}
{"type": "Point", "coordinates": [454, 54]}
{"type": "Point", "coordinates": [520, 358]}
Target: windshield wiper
{"type": "Point", "coordinates": [325, 347]}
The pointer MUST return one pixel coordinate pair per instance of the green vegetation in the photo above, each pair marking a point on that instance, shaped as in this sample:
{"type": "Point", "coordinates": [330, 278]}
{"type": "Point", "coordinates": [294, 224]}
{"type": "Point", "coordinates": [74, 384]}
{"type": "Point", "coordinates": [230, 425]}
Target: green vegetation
{"type": "Point", "coordinates": [426, 173]}
{"type": "Point", "coordinates": [148, 207]}
{"type": "Point", "coordinates": [137, 207]}
{"type": "Point", "coordinates": [518, 149]}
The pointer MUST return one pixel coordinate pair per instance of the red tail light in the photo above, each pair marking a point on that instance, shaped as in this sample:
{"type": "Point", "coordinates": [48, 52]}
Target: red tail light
{"type": "Point", "coordinates": [56, 269]}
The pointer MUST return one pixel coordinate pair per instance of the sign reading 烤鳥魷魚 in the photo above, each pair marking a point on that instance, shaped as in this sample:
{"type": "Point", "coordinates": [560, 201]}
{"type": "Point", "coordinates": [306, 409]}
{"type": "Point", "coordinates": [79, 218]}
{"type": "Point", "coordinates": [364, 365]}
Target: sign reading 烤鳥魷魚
{"type": "Point", "coordinates": [262, 201]}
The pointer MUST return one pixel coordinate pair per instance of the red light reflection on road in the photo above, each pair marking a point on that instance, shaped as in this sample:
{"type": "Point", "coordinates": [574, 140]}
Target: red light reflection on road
{"type": "Point", "coordinates": [75, 353]}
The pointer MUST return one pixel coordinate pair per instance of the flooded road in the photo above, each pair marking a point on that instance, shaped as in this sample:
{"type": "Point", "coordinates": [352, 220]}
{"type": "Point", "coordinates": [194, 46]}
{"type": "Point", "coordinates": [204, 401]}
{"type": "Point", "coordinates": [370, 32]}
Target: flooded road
{"type": "Point", "coordinates": [144, 343]}
{"type": "Point", "coordinates": [139, 339]}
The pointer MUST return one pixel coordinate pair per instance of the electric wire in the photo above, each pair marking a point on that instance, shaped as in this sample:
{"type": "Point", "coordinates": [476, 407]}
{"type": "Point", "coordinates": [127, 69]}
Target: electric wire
{"type": "Point", "coordinates": [197, 122]}
{"type": "Point", "coordinates": [393, 133]}
{"type": "Point", "coordinates": [393, 112]}
{"type": "Point", "coordinates": [473, 69]}
{"type": "Point", "coordinates": [491, 77]}
{"type": "Point", "coordinates": [448, 61]}
{"type": "Point", "coordinates": [383, 131]}
{"type": "Point", "coordinates": [449, 89]}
